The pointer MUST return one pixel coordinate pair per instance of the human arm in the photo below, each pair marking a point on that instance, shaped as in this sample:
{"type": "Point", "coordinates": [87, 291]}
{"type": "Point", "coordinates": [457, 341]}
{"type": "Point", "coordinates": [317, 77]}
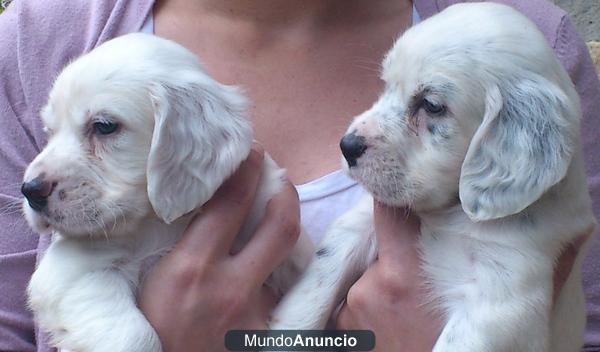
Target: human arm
{"type": "Point", "coordinates": [574, 55]}
{"type": "Point", "coordinates": [18, 245]}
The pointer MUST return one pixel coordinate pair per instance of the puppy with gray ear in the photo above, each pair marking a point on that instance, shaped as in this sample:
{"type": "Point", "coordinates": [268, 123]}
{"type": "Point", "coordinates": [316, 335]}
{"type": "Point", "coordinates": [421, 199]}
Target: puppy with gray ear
{"type": "Point", "coordinates": [477, 132]}
{"type": "Point", "coordinates": [139, 137]}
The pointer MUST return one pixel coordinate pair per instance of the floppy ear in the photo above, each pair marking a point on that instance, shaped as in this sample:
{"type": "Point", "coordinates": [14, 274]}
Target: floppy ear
{"type": "Point", "coordinates": [200, 137]}
{"type": "Point", "coordinates": [522, 147]}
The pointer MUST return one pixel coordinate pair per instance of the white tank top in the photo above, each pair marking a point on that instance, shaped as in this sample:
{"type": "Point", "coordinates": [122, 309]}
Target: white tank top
{"type": "Point", "coordinates": [324, 199]}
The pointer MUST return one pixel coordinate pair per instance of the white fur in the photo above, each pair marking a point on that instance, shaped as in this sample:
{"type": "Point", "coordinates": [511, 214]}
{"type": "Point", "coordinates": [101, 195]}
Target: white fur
{"type": "Point", "coordinates": [122, 200]}
{"type": "Point", "coordinates": [496, 177]}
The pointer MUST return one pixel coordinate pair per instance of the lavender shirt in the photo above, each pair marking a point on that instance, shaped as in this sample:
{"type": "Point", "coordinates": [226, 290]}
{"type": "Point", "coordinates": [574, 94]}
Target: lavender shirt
{"type": "Point", "coordinates": [37, 39]}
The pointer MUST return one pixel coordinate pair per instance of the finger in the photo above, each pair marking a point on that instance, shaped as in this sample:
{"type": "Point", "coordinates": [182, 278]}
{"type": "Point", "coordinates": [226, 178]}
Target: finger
{"type": "Point", "coordinates": [213, 229]}
{"type": "Point", "coordinates": [265, 304]}
{"type": "Point", "coordinates": [346, 320]}
{"type": "Point", "coordinates": [397, 232]}
{"type": "Point", "coordinates": [275, 237]}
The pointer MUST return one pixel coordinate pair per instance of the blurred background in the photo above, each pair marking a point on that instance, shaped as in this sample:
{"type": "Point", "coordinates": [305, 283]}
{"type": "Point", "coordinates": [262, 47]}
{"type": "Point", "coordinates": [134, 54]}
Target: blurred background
{"type": "Point", "coordinates": [586, 14]}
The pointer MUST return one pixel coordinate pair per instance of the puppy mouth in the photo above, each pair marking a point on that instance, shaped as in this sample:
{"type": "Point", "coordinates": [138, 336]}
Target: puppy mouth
{"type": "Point", "coordinates": [75, 220]}
{"type": "Point", "coordinates": [39, 221]}
{"type": "Point", "coordinates": [382, 177]}
{"type": "Point", "coordinates": [51, 218]}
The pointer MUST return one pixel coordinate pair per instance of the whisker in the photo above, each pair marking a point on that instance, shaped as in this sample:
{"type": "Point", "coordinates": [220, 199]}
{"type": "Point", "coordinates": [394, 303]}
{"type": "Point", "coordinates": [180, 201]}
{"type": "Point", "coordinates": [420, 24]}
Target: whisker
{"type": "Point", "coordinates": [20, 221]}
{"type": "Point", "coordinates": [367, 64]}
{"type": "Point", "coordinates": [111, 205]}
{"type": "Point", "coordinates": [10, 212]}
{"type": "Point", "coordinates": [11, 186]}
{"type": "Point", "coordinates": [12, 207]}
{"type": "Point", "coordinates": [367, 68]}
{"type": "Point", "coordinates": [103, 224]}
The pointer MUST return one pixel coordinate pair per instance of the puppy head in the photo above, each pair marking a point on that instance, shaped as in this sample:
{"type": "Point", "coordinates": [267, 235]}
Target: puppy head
{"type": "Point", "coordinates": [475, 108]}
{"type": "Point", "coordinates": [136, 129]}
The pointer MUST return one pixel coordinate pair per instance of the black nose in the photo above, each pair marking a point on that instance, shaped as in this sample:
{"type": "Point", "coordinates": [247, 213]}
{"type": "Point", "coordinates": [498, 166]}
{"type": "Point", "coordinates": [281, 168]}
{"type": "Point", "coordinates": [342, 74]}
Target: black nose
{"type": "Point", "coordinates": [353, 147]}
{"type": "Point", "coordinates": [37, 192]}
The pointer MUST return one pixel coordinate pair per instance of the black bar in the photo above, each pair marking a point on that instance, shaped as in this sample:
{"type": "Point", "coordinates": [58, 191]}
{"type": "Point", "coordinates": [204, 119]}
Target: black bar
{"type": "Point", "coordinates": [300, 340]}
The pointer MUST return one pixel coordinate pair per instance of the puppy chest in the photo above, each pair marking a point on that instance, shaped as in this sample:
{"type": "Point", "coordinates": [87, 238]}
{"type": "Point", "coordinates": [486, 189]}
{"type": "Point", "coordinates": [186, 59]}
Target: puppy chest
{"type": "Point", "coordinates": [459, 266]}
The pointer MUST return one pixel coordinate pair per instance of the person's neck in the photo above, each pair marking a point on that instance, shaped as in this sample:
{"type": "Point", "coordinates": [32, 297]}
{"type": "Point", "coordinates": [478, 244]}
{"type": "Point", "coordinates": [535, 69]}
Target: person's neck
{"type": "Point", "coordinates": [276, 13]}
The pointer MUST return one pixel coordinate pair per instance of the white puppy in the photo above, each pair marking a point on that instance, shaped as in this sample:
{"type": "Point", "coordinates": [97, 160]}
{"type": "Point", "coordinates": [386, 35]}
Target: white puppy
{"type": "Point", "coordinates": [139, 137]}
{"type": "Point", "coordinates": [477, 132]}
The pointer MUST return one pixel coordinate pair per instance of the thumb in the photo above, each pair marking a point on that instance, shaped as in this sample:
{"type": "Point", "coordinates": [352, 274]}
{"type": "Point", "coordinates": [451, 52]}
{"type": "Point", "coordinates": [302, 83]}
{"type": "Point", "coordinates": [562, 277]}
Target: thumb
{"type": "Point", "coordinates": [397, 231]}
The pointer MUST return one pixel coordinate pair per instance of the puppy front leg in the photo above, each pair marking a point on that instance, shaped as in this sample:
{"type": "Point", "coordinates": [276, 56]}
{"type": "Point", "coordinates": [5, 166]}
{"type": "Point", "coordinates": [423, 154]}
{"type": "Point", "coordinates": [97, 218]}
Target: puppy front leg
{"type": "Point", "coordinates": [343, 255]}
{"type": "Point", "coordinates": [86, 303]}
{"type": "Point", "coordinates": [101, 315]}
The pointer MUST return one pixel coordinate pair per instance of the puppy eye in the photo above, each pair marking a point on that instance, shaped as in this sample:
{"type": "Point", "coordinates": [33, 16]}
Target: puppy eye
{"type": "Point", "coordinates": [433, 108]}
{"type": "Point", "coordinates": [105, 127]}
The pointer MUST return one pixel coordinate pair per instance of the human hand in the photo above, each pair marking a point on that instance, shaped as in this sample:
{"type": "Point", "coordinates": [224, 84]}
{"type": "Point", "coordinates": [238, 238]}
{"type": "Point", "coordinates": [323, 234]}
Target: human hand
{"type": "Point", "coordinates": [390, 298]}
{"type": "Point", "coordinates": [199, 291]}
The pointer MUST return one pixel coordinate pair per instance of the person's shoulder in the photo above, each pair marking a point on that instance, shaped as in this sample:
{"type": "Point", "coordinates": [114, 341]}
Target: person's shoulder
{"type": "Point", "coordinates": [39, 37]}
{"type": "Point", "coordinates": [560, 31]}
{"type": "Point", "coordinates": [75, 25]}
{"type": "Point", "coordinates": [549, 18]}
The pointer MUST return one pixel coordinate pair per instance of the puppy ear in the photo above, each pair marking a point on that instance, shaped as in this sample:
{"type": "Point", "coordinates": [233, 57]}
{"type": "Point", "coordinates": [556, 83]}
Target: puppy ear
{"type": "Point", "coordinates": [522, 147]}
{"type": "Point", "coordinates": [200, 137]}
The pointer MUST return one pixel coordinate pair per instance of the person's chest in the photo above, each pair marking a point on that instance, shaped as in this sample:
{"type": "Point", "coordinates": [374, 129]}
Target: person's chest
{"type": "Point", "coordinates": [304, 88]}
